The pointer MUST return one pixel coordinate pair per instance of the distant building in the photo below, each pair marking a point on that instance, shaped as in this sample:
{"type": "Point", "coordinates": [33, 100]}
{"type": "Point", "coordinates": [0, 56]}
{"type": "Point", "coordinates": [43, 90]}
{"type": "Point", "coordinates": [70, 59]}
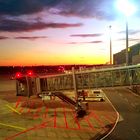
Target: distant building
{"type": "Point", "coordinates": [133, 56]}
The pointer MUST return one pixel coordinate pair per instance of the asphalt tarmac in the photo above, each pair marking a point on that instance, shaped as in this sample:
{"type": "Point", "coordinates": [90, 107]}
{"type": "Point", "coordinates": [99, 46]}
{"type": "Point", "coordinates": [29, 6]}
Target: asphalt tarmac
{"type": "Point", "coordinates": [31, 119]}
{"type": "Point", "coordinates": [128, 106]}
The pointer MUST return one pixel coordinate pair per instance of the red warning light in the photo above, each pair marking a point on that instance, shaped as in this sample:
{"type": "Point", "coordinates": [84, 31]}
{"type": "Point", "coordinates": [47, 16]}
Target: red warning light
{"type": "Point", "coordinates": [61, 69]}
{"type": "Point", "coordinates": [18, 75]}
{"type": "Point", "coordinates": [30, 73]}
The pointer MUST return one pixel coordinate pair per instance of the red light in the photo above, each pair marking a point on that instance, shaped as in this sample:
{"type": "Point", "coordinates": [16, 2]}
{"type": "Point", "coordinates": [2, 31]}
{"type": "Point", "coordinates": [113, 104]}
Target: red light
{"type": "Point", "coordinates": [18, 75]}
{"type": "Point", "coordinates": [30, 73]}
{"type": "Point", "coordinates": [61, 69]}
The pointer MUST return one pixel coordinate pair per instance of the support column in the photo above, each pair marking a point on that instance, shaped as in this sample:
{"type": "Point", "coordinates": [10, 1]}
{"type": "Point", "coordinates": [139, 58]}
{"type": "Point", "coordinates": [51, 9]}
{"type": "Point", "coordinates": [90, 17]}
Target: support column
{"type": "Point", "coordinates": [74, 83]}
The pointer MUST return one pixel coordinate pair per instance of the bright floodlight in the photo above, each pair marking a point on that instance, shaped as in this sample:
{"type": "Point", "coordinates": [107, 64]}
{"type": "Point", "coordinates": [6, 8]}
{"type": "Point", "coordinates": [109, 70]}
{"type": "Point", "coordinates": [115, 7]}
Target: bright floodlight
{"type": "Point", "coordinates": [126, 7]}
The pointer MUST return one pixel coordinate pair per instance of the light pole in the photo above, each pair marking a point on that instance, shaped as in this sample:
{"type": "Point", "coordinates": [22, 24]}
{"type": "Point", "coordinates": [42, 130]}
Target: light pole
{"type": "Point", "coordinates": [110, 46]}
{"type": "Point", "coordinates": [127, 55]}
{"type": "Point", "coordinates": [127, 9]}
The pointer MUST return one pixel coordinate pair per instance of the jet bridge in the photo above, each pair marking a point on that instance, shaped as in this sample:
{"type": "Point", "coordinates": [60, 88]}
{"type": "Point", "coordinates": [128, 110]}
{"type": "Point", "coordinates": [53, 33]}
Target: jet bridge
{"type": "Point", "coordinates": [109, 77]}
{"type": "Point", "coordinates": [75, 80]}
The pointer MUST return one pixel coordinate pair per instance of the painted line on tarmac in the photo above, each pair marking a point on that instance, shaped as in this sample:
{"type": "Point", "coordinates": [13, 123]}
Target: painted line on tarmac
{"type": "Point", "coordinates": [116, 119]}
{"type": "Point", "coordinates": [13, 126]}
{"type": "Point", "coordinates": [107, 119]}
{"type": "Point", "coordinates": [76, 120]}
{"type": "Point", "coordinates": [13, 109]}
{"type": "Point", "coordinates": [89, 123]}
{"type": "Point", "coordinates": [21, 110]}
{"type": "Point", "coordinates": [39, 126]}
{"type": "Point", "coordinates": [64, 112]}
{"type": "Point", "coordinates": [55, 113]}
{"type": "Point", "coordinates": [96, 117]}
{"type": "Point", "coordinates": [18, 102]}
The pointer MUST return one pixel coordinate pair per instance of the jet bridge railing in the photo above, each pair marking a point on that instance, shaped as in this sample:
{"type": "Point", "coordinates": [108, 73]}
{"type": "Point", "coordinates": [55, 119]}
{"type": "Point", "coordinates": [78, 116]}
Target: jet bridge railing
{"type": "Point", "coordinates": [120, 76]}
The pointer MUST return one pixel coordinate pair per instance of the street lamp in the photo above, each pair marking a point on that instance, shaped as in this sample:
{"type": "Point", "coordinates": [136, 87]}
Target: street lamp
{"type": "Point", "coordinates": [110, 46]}
{"type": "Point", "coordinates": [127, 9]}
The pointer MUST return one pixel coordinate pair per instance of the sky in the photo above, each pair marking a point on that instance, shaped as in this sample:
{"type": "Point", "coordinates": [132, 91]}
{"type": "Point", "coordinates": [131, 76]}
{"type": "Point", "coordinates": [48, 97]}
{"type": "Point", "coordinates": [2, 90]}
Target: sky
{"type": "Point", "coordinates": [61, 32]}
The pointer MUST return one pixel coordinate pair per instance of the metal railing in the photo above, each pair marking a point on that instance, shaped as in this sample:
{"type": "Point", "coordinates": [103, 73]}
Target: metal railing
{"type": "Point", "coordinates": [109, 77]}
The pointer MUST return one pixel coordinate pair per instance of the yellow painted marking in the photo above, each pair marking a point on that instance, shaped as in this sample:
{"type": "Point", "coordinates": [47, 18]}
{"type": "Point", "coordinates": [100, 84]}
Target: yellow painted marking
{"type": "Point", "coordinates": [13, 109]}
{"type": "Point", "coordinates": [13, 126]}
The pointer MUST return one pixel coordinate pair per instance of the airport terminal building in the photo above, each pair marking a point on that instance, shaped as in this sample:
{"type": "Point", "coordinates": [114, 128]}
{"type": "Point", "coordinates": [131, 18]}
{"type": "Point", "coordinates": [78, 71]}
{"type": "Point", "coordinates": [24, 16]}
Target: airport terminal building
{"type": "Point", "coordinates": [133, 56]}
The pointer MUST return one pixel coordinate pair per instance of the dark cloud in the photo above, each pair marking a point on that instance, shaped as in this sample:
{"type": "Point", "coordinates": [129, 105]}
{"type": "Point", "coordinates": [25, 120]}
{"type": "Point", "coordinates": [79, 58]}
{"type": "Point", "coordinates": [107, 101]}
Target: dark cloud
{"type": "Point", "coordinates": [85, 35]}
{"type": "Point", "coordinates": [72, 42]}
{"type": "Point", "coordinates": [23, 26]}
{"type": "Point", "coordinates": [20, 7]}
{"type": "Point", "coordinates": [101, 9]}
{"type": "Point", "coordinates": [131, 32]}
{"type": "Point", "coordinates": [3, 37]}
{"type": "Point", "coordinates": [94, 42]}
{"type": "Point", "coordinates": [31, 38]}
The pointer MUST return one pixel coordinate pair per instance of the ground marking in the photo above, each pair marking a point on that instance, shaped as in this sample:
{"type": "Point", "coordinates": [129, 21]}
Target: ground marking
{"type": "Point", "coordinates": [55, 117]}
{"type": "Point", "coordinates": [18, 102]}
{"type": "Point", "coordinates": [13, 109]}
{"type": "Point", "coordinates": [64, 112]}
{"type": "Point", "coordinates": [76, 120]}
{"type": "Point", "coordinates": [116, 119]}
{"type": "Point", "coordinates": [39, 126]}
{"type": "Point", "coordinates": [13, 126]}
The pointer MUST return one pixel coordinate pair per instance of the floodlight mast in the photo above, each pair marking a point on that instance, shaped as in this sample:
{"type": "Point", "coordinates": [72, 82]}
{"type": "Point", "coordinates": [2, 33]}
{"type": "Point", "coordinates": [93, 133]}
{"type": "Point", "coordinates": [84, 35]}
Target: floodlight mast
{"type": "Point", "coordinates": [127, 9]}
{"type": "Point", "coordinates": [110, 46]}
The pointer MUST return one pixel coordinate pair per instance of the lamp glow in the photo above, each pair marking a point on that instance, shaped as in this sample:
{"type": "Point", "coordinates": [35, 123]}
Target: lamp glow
{"type": "Point", "coordinates": [126, 7]}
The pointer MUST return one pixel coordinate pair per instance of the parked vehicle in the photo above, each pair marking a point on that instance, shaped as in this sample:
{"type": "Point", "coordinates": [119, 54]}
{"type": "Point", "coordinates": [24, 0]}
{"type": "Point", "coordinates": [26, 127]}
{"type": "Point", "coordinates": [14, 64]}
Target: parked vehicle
{"type": "Point", "coordinates": [96, 94]}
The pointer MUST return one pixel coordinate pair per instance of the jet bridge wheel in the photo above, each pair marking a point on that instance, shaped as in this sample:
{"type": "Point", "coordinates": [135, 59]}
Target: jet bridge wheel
{"type": "Point", "coordinates": [81, 113]}
{"type": "Point", "coordinates": [101, 99]}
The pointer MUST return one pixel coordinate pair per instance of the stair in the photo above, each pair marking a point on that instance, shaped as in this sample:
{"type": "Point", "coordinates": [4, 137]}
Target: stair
{"type": "Point", "coordinates": [64, 98]}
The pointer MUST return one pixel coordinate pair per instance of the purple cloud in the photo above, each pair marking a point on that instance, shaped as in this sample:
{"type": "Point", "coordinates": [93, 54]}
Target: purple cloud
{"type": "Point", "coordinates": [31, 38]}
{"type": "Point", "coordinates": [3, 37]}
{"type": "Point", "coordinates": [72, 42]}
{"type": "Point", "coordinates": [22, 26]}
{"type": "Point", "coordinates": [85, 35]}
{"type": "Point", "coordinates": [94, 42]}
{"type": "Point", "coordinates": [100, 9]}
